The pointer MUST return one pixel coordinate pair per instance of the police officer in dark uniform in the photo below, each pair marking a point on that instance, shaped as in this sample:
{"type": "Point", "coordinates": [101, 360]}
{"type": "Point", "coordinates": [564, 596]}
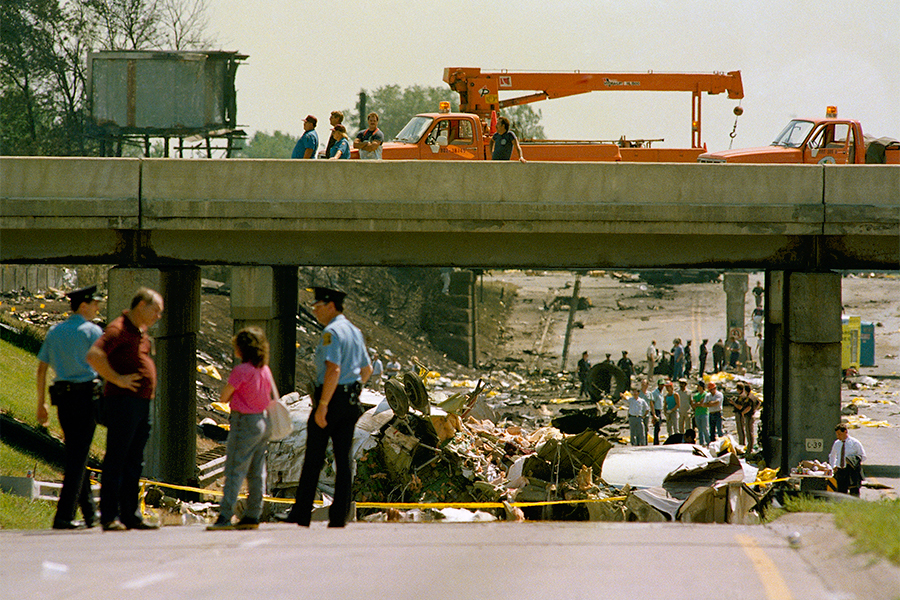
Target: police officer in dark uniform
{"type": "Point", "coordinates": [74, 392]}
{"type": "Point", "coordinates": [342, 368]}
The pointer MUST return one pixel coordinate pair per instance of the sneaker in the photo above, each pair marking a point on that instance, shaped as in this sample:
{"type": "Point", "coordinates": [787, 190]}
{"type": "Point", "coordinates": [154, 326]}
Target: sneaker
{"type": "Point", "coordinates": [115, 525]}
{"type": "Point", "coordinates": [220, 525]}
{"type": "Point", "coordinates": [247, 523]}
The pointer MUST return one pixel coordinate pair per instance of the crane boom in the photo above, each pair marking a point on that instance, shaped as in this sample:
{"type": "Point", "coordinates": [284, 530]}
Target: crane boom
{"type": "Point", "coordinates": [479, 92]}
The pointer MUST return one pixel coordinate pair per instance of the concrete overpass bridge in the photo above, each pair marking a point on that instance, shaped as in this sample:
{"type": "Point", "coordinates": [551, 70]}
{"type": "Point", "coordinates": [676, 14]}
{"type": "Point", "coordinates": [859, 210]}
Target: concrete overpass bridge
{"type": "Point", "coordinates": [159, 219]}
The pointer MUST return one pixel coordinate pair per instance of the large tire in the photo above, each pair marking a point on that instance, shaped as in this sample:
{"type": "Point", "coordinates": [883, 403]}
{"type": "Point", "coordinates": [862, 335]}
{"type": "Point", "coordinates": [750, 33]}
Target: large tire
{"type": "Point", "coordinates": [396, 396]}
{"type": "Point", "coordinates": [415, 390]}
{"type": "Point", "coordinates": [596, 376]}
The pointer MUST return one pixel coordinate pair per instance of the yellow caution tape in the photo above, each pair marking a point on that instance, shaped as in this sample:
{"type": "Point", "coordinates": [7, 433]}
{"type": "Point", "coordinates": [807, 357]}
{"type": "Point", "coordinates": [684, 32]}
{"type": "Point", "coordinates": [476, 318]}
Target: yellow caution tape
{"type": "Point", "coordinates": [770, 481]}
{"type": "Point", "coordinates": [400, 505]}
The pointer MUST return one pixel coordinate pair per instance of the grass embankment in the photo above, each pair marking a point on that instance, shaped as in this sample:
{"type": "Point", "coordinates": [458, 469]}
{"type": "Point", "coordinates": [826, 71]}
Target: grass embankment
{"type": "Point", "coordinates": [17, 398]}
{"type": "Point", "coordinates": [874, 526]}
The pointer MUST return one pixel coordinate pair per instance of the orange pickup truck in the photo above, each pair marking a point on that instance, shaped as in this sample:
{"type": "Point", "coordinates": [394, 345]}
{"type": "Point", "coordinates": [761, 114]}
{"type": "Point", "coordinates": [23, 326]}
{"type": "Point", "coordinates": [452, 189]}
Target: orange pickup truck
{"type": "Point", "coordinates": [461, 136]}
{"type": "Point", "coordinates": [816, 141]}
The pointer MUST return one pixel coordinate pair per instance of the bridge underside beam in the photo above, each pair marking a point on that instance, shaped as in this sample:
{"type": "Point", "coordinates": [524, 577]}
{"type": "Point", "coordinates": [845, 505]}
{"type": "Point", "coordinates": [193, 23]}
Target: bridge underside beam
{"type": "Point", "coordinates": [473, 248]}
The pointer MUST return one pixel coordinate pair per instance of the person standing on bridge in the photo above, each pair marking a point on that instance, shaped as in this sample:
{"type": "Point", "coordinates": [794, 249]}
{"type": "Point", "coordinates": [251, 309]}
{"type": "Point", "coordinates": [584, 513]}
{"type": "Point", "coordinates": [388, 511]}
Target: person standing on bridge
{"type": "Point", "coordinates": [122, 357]}
{"type": "Point", "coordinates": [503, 142]}
{"type": "Point", "coordinates": [74, 393]}
{"type": "Point", "coordinates": [341, 147]}
{"type": "Point", "coordinates": [342, 368]}
{"type": "Point", "coordinates": [308, 143]}
{"type": "Point", "coordinates": [369, 141]}
{"type": "Point", "coordinates": [336, 118]}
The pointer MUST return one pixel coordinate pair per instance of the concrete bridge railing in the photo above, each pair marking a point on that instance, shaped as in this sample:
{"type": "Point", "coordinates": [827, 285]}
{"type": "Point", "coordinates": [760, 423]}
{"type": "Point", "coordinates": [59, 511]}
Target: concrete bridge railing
{"type": "Point", "coordinates": [567, 215]}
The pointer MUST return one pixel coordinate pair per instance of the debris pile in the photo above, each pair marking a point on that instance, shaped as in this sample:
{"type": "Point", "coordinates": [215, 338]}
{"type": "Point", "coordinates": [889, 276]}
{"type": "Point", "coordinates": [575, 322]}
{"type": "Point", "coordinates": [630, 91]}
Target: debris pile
{"type": "Point", "coordinates": [426, 452]}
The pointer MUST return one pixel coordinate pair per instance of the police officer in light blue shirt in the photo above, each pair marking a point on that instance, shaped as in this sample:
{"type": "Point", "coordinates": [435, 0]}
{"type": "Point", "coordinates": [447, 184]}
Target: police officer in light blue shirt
{"type": "Point", "coordinates": [342, 368]}
{"type": "Point", "coordinates": [73, 393]}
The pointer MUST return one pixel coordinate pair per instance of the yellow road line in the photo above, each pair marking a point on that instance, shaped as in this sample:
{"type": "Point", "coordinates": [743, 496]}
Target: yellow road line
{"type": "Point", "coordinates": [774, 584]}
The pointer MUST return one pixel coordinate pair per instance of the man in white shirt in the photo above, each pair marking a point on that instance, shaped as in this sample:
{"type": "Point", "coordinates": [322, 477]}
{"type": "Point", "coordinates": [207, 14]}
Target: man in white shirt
{"type": "Point", "coordinates": [847, 456]}
{"type": "Point", "coordinates": [637, 410]}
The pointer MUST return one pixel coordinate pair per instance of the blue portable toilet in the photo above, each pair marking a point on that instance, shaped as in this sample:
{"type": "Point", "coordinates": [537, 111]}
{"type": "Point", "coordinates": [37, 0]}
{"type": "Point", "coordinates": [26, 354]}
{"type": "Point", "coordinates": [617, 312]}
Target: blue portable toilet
{"type": "Point", "coordinates": [866, 344]}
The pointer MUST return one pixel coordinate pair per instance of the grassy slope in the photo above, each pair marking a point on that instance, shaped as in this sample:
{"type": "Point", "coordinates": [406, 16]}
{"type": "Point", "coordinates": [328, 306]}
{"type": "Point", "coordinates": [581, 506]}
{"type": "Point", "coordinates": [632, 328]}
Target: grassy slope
{"type": "Point", "coordinates": [18, 394]}
{"type": "Point", "coordinates": [17, 397]}
{"type": "Point", "coordinates": [874, 526]}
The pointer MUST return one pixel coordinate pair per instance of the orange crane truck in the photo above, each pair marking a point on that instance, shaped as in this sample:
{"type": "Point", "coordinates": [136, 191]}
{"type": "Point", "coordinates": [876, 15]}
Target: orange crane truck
{"type": "Point", "coordinates": [816, 141]}
{"type": "Point", "coordinates": [466, 135]}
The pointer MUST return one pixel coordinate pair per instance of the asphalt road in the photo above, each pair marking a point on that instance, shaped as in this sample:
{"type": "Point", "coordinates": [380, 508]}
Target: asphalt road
{"type": "Point", "coordinates": [414, 560]}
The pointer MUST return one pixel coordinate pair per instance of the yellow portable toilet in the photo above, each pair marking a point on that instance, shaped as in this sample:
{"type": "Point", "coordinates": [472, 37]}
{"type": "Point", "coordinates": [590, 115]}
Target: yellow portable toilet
{"type": "Point", "coordinates": [850, 341]}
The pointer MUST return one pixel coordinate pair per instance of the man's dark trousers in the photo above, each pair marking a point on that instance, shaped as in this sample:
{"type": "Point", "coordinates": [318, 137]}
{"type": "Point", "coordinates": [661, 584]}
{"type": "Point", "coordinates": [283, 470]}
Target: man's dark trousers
{"type": "Point", "coordinates": [128, 422]}
{"type": "Point", "coordinates": [76, 417]}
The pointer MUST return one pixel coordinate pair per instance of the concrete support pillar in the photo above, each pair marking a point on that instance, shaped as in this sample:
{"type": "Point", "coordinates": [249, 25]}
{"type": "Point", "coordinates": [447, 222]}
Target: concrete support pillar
{"type": "Point", "coordinates": [735, 285]}
{"type": "Point", "coordinates": [802, 393]}
{"type": "Point", "coordinates": [171, 453]}
{"type": "Point", "coordinates": [266, 297]}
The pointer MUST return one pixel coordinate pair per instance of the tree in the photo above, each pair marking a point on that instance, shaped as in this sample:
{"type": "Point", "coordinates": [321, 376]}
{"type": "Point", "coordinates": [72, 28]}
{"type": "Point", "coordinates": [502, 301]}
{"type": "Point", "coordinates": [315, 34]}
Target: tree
{"type": "Point", "coordinates": [525, 122]}
{"type": "Point", "coordinates": [396, 106]}
{"type": "Point", "coordinates": [44, 46]}
{"type": "Point", "coordinates": [263, 145]}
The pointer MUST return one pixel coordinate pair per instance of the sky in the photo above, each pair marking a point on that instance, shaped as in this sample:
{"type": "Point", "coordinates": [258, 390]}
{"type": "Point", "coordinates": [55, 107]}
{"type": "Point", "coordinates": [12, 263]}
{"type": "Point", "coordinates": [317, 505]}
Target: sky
{"type": "Point", "coordinates": [795, 56]}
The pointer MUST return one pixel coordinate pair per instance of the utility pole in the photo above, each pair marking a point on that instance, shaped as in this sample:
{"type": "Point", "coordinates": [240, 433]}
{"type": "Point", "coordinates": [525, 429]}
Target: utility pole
{"type": "Point", "coordinates": [572, 308]}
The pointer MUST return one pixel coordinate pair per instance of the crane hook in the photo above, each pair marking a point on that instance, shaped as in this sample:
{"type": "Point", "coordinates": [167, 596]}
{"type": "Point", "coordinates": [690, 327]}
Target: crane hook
{"type": "Point", "coordinates": [738, 111]}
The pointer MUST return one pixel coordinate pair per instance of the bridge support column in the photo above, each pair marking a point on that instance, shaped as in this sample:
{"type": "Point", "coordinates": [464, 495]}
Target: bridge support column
{"type": "Point", "coordinates": [266, 297]}
{"type": "Point", "coordinates": [736, 285]}
{"type": "Point", "coordinates": [171, 452]}
{"type": "Point", "coordinates": [802, 389]}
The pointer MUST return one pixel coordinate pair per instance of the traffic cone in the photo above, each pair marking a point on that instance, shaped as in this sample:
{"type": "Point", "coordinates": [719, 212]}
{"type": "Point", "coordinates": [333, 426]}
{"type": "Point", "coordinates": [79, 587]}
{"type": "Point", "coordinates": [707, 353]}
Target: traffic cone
{"type": "Point", "coordinates": [493, 128]}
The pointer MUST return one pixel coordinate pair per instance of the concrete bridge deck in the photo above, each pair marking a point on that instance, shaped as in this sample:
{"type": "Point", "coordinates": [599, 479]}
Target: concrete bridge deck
{"type": "Point", "coordinates": [563, 215]}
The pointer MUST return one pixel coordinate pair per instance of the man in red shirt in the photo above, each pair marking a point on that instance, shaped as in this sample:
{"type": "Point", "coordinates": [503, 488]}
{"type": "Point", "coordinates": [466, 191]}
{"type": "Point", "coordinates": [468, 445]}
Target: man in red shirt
{"type": "Point", "coordinates": [122, 358]}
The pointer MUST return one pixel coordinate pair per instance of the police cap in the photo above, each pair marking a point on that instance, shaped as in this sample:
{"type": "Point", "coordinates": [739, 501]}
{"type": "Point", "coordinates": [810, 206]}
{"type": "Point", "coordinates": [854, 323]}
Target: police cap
{"type": "Point", "coordinates": [85, 294]}
{"type": "Point", "coordinates": [328, 294]}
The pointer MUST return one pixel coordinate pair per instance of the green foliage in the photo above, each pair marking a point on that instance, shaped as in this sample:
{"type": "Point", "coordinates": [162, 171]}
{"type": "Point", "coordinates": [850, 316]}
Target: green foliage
{"type": "Point", "coordinates": [20, 464]}
{"type": "Point", "coordinates": [396, 106]}
{"type": "Point", "coordinates": [525, 122]}
{"type": "Point", "coordinates": [44, 45]}
{"type": "Point", "coordinates": [21, 513]}
{"type": "Point", "coordinates": [265, 145]}
{"type": "Point", "coordinates": [18, 393]}
{"type": "Point", "coordinates": [24, 336]}
{"type": "Point", "coordinates": [874, 526]}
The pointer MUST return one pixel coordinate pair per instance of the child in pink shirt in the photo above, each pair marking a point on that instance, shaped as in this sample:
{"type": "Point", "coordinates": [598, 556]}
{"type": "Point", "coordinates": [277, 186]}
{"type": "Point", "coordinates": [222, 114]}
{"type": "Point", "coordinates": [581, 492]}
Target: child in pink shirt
{"type": "Point", "coordinates": [249, 389]}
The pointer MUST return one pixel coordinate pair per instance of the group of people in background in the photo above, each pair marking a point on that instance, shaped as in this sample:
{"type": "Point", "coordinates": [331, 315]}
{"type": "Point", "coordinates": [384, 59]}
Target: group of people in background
{"type": "Point", "coordinates": [368, 141]}
{"type": "Point", "coordinates": [695, 414]}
